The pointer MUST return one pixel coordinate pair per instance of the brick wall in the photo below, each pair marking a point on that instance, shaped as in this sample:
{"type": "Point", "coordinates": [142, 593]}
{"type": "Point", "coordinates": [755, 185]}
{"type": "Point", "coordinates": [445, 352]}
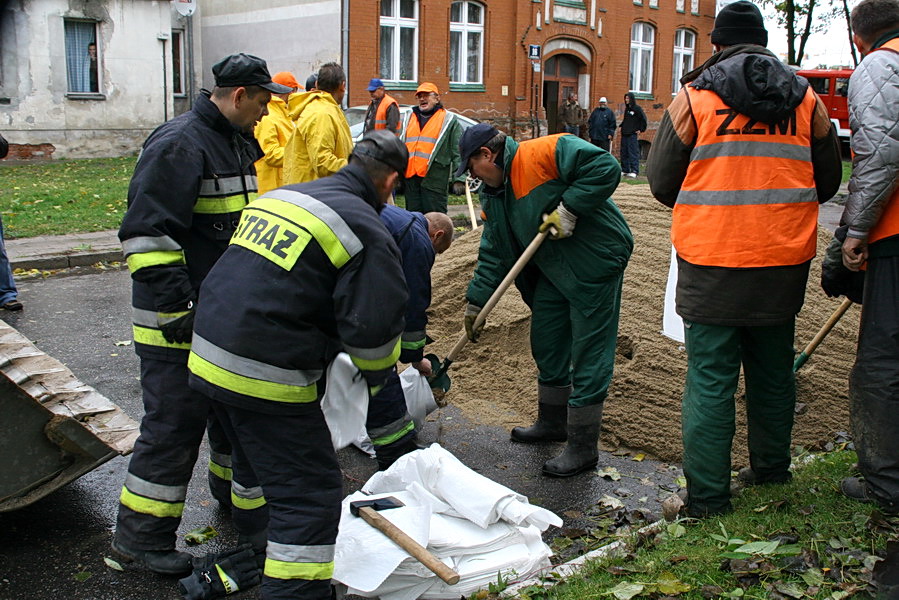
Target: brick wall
{"type": "Point", "coordinates": [30, 151]}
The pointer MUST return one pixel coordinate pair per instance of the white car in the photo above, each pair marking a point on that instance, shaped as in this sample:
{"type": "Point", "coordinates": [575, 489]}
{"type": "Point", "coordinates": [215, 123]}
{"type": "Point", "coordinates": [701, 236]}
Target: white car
{"type": "Point", "coordinates": [355, 116]}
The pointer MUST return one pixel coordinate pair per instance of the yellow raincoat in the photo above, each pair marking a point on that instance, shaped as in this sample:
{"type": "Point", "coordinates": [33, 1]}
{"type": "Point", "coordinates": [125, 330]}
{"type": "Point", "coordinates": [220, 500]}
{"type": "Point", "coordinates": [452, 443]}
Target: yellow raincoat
{"type": "Point", "coordinates": [272, 133]}
{"type": "Point", "coordinates": [321, 142]}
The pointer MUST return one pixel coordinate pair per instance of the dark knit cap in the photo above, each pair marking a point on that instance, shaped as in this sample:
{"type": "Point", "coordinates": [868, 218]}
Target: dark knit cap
{"type": "Point", "coordinates": [740, 23]}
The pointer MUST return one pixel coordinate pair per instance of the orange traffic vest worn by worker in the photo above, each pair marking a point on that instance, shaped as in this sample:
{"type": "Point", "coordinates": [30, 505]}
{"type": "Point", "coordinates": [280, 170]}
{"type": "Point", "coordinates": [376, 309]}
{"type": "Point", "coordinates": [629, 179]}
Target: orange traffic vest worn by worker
{"type": "Point", "coordinates": [748, 199]}
{"type": "Point", "coordinates": [421, 142]}
{"type": "Point", "coordinates": [888, 224]}
{"type": "Point", "coordinates": [381, 114]}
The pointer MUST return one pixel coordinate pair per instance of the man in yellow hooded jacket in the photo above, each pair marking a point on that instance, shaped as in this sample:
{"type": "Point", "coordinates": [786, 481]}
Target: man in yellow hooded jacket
{"type": "Point", "coordinates": [272, 133]}
{"type": "Point", "coordinates": [321, 142]}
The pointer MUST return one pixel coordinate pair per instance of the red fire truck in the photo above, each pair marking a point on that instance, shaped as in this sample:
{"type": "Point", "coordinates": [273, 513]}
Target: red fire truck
{"type": "Point", "coordinates": [832, 85]}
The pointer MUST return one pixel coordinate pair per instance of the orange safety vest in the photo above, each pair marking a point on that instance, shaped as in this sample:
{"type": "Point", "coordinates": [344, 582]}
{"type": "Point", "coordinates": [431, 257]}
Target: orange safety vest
{"type": "Point", "coordinates": [748, 199]}
{"type": "Point", "coordinates": [888, 224]}
{"type": "Point", "coordinates": [381, 114]}
{"type": "Point", "coordinates": [421, 143]}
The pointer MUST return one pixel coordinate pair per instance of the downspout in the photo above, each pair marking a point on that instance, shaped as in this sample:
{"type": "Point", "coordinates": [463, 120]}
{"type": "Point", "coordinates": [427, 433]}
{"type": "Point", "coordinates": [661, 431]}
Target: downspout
{"type": "Point", "coordinates": [165, 83]}
{"type": "Point", "coordinates": [345, 45]}
{"type": "Point", "coordinates": [190, 61]}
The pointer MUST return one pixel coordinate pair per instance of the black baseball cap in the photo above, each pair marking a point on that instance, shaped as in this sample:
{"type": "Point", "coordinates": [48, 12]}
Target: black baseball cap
{"type": "Point", "coordinates": [245, 69]}
{"type": "Point", "coordinates": [473, 138]}
{"type": "Point", "coordinates": [385, 147]}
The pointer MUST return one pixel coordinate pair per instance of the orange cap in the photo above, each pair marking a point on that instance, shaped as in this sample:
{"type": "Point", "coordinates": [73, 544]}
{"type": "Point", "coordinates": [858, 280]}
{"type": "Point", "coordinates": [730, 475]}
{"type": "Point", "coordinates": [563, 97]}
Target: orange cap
{"type": "Point", "coordinates": [286, 78]}
{"type": "Point", "coordinates": [427, 88]}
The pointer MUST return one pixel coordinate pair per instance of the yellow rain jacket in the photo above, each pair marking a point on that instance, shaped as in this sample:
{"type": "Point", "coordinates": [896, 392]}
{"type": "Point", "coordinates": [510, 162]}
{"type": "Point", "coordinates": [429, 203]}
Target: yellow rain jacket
{"type": "Point", "coordinates": [321, 142]}
{"type": "Point", "coordinates": [272, 133]}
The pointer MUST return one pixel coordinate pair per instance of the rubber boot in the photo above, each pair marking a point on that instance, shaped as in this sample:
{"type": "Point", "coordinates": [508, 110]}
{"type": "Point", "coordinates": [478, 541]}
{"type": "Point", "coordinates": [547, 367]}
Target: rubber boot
{"type": "Point", "coordinates": [552, 409]}
{"type": "Point", "coordinates": [581, 453]}
{"type": "Point", "coordinates": [164, 562]}
{"type": "Point", "coordinates": [388, 454]}
{"type": "Point", "coordinates": [258, 541]}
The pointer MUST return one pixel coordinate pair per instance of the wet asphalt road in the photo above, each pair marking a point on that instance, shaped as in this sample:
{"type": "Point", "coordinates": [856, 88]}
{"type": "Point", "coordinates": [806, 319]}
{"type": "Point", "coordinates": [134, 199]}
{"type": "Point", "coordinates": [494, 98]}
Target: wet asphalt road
{"type": "Point", "coordinates": [47, 547]}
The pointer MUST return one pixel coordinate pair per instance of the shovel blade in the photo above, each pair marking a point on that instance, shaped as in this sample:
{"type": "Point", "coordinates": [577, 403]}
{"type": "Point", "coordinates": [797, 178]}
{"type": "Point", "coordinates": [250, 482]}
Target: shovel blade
{"type": "Point", "coordinates": [439, 379]}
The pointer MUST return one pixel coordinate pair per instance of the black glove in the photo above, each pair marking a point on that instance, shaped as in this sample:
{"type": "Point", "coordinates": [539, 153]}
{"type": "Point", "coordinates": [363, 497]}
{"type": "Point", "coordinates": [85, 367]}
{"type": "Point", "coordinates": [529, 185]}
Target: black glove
{"type": "Point", "coordinates": [180, 330]}
{"type": "Point", "coordinates": [217, 575]}
{"type": "Point", "coordinates": [458, 188]}
{"type": "Point", "coordinates": [837, 280]}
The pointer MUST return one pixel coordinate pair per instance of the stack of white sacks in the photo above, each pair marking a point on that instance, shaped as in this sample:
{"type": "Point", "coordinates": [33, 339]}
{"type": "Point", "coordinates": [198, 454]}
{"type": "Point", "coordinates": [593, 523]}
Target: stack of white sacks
{"type": "Point", "coordinates": [477, 527]}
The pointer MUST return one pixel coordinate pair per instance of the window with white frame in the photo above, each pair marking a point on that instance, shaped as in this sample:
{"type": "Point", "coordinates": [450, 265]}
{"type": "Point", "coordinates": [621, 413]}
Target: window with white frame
{"type": "Point", "coordinates": [399, 40]}
{"type": "Point", "coordinates": [694, 7]}
{"type": "Point", "coordinates": [466, 42]}
{"type": "Point", "coordinates": [684, 48]}
{"type": "Point", "coordinates": [178, 76]}
{"type": "Point", "coordinates": [82, 56]}
{"type": "Point", "coordinates": [642, 48]}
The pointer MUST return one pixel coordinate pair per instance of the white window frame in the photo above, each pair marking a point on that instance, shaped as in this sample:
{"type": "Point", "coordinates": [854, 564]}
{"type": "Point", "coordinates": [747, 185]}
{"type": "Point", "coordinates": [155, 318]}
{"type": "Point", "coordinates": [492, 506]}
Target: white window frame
{"type": "Point", "coordinates": [77, 62]}
{"type": "Point", "coordinates": [694, 7]}
{"type": "Point", "coordinates": [681, 52]}
{"type": "Point", "coordinates": [465, 29]}
{"type": "Point", "coordinates": [398, 23]}
{"type": "Point", "coordinates": [179, 44]}
{"type": "Point", "coordinates": [639, 48]}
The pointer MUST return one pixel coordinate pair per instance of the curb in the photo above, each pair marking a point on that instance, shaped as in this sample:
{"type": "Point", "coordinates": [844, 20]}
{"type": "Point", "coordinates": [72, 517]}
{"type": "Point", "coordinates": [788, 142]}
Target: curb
{"type": "Point", "coordinates": [65, 261]}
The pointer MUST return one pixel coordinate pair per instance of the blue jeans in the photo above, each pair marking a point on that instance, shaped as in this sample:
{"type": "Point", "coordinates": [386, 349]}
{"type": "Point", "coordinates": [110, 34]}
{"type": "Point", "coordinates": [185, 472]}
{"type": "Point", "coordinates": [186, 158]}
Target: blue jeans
{"type": "Point", "coordinates": [630, 153]}
{"type": "Point", "coordinates": [8, 291]}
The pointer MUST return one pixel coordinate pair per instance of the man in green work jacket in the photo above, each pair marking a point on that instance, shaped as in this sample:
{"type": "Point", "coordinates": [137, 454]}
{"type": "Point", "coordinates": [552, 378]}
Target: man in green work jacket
{"type": "Point", "coordinates": [573, 283]}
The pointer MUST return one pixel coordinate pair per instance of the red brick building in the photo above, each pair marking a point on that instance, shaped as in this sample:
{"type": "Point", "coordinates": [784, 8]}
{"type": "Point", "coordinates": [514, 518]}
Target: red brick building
{"type": "Point", "coordinates": [512, 61]}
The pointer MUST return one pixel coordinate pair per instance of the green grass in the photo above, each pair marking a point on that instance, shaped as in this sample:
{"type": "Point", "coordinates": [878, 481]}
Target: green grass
{"type": "Point", "coordinates": [847, 170]}
{"type": "Point", "coordinates": [828, 528]}
{"type": "Point", "coordinates": [65, 196]}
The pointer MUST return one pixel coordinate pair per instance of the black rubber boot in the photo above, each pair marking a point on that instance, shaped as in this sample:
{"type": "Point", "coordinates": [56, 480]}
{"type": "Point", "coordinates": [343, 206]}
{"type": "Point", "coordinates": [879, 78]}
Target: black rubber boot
{"type": "Point", "coordinates": [581, 453]}
{"type": "Point", "coordinates": [258, 541]}
{"type": "Point", "coordinates": [388, 454]}
{"type": "Point", "coordinates": [164, 562]}
{"type": "Point", "coordinates": [552, 411]}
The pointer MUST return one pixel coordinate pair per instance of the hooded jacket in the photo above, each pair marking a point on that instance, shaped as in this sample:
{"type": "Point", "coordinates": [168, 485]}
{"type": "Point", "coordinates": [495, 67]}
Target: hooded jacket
{"type": "Point", "coordinates": [752, 81]}
{"type": "Point", "coordinates": [272, 133]}
{"type": "Point", "coordinates": [321, 143]}
{"type": "Point", "coordinates": [634, 119]}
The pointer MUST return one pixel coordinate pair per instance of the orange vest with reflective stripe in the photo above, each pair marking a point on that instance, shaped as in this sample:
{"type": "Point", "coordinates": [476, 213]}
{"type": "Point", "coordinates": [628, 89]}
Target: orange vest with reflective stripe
{"type": "Point", "coordinates": [748, 199]}
{"type": "Point", "coordinates": [888, 224]}
{"type": "Point", "coordinates": [420, 143]}
{"type": "Point", "coordinates": [381, 114]}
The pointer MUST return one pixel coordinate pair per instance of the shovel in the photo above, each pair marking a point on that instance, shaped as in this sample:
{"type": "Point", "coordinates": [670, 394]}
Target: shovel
{"type": "Point", "coordinates": [440, 379]}
{"type": "Point", "coordinates": [474, 220]}
{"type": "Point", "coordinates": [819, 337]}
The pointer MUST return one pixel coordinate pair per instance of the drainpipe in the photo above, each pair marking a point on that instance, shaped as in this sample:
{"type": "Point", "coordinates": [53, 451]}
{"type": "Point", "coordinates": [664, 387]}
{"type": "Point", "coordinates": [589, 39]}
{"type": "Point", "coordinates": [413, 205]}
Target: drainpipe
{"type": "Point", "coordinates": [162, 37]}
{"type": "Point", "coordinates": [345, 44]}
{"type": "Point", "coordinates": [190, 61]}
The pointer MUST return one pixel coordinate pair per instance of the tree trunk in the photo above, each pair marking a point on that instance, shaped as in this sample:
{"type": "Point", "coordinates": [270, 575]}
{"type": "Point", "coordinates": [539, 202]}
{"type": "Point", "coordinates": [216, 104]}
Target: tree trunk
{"type": "Point", "coordinates": [849, 33]}
{"type": "Point", "coordinates": [790, 14]}
{"type": "Point", "coordinates": [805, 32]}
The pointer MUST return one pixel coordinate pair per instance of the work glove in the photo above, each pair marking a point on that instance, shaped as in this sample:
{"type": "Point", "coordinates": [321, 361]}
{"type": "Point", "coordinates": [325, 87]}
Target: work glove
{"type": "Point", "coordinates": [179, 330]}
{"type": "Point", "coordinates": [471, 314]}
{"type": "Point", "coordinates": [217, 575]}
{"type": "Point", "coordinates": [561, 220]}
{"type": "Point", "coordinates": [458, 188]}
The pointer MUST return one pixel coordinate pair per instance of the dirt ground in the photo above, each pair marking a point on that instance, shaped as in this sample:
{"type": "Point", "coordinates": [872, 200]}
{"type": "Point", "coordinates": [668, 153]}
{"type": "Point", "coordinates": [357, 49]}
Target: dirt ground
{"type": "Point", "coordinates": [494, 381]}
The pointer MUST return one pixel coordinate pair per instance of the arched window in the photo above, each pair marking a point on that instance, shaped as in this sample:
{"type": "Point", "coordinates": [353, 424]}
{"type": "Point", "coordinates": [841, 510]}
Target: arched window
{"type": "Point", "coordinates": [399, 40]}
{"type": "Point", "coordinates": [643, 37]}
{"type": "Point", "coordinates": [466, 42]}
{"type": "Point", "coordinates": [684, 48]}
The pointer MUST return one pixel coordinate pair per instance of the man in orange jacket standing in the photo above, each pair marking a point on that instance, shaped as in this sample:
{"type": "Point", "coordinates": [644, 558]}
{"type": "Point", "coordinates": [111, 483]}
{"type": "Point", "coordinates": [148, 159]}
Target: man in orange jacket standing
{"type": "Point", "coordinates": [744, 162]}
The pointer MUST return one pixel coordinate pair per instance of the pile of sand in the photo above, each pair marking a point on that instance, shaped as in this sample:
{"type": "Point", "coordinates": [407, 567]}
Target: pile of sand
{"type": "Point", "coordinates": [494, 381]}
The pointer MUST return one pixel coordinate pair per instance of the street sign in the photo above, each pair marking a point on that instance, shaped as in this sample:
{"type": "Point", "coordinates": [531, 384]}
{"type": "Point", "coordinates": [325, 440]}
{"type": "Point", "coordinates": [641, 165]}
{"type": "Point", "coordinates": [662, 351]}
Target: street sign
{"type": "Point", "coordinates": [534, 51]}
{"type": "Point", "coordinates": [185, 7]}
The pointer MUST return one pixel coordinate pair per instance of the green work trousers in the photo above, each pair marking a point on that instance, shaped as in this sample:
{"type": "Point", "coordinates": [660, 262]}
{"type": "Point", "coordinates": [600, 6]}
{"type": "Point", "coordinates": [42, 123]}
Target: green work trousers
{"type": "Point", "coordinates": [714, 356]}
{"type": "Point", "coordinates": [423, 200]}
{"type": "Point", "coordinates": [570, 347]}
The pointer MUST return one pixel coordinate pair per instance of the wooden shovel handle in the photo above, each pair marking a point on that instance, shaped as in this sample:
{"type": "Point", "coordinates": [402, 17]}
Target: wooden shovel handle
{"type": "Point", "coordinates": [500, 290]}
{"type": "Point", "coordinates": [474, 219]}
{"type": "Point", "coordinates": [839, 312]}
{"type": "Point", "coordinates": [416, 550]}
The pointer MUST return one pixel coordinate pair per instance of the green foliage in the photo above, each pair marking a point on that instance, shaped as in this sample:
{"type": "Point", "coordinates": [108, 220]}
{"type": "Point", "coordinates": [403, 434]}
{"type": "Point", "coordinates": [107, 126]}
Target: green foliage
{"type": "Point", "coordinates": [64, 196]}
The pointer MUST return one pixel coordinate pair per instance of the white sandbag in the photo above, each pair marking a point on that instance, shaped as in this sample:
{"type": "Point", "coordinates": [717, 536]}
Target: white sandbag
{"type": "Point", "coordinates": [345, 403]}
{"type": "Point", "coordinates": [672, 324]}
{"type": "Point", "coordinates": [419, 397]}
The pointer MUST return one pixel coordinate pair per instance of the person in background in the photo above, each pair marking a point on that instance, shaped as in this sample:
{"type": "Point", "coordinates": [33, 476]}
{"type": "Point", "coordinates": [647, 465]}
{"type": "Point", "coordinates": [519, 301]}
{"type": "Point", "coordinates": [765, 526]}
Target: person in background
{"type": "Point", "coordinates": [633, 123]}
{"type": "Point", "coordinates": [9, 295]}
{"type": "Point", "coordinates": [602, 125]}
{"type": "Point", "coordinates": [312, 82]}
{"type": "Point", "coordinates": [272, 133]}
{"type": "Point", "coordinates": [93, 67]}
{"type": "Point", "coordinates": [571, 115]}
{"type": "Point", "coordinates": [383, 111]}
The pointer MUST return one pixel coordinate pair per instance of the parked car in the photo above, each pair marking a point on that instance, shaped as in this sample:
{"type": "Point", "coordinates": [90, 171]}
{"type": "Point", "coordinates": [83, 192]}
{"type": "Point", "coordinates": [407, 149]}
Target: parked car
{"type": "Point", "coordinates": [832, 86]}
{"type": "Point", "coordinates": [355, 116]}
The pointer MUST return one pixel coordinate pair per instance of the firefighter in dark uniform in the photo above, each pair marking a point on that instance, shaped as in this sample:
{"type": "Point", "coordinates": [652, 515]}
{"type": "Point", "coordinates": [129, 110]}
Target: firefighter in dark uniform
{"type": "Point", "coordinates": [310, 272]}
{"type": "Point", "coordinates": [193, 178]}
{"type": "Point", "coordinates": [420, 239]}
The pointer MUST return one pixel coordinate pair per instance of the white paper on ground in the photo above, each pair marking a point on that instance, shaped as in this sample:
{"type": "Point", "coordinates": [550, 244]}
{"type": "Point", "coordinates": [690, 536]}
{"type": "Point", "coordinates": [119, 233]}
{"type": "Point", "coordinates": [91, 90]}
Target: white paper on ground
{"type": "Point", "coordinates": [345, 403]}
{"type": "Point", "coordinates": [672, 324]}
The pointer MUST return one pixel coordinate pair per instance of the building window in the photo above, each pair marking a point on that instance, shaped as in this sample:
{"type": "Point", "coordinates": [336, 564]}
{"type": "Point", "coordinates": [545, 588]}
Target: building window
{"type": "Point", "coordinates": [178, 76]}
{"type": "Point", "coordinates": [466, 42]}
{"type": "Point", "coordinates": [399, 40]}
{"type": "Point", "coordinates": [679, 6]}
{"type": "Point", "coordinates": [694, 7]}
{"type": "Point", "coordinates": [684, 47]}
{"type": "Point", "coordinates": [642, 44]}
{"type": "Point", "coordinates": [653, 3]}
{"type": "Point", "coordinates": [82, 57]}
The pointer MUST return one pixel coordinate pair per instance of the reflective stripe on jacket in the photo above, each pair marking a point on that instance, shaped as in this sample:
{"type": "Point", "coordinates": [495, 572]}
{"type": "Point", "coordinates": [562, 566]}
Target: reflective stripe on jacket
{"type": "Point", "coordinates": [381, 114]}
{"type": "Point", "coordinates": [745, 177]}
{"type": "Point", "coordinates": [421, 142]}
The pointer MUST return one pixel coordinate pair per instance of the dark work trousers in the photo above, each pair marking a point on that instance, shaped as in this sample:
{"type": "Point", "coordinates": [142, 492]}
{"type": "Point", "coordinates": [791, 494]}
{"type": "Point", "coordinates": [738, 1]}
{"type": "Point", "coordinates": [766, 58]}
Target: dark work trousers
{"type": "Point", "coordinates": [388, 421]}
{"type": "Point", "coordinates": [286, 479]}
{"type": "Point", "coordinates": [630, 153]}
{"type": "Point", "coordinates": [570, 347]}
{"type": "Point", "coordinates": [424, 200]}
{"type": "Point", "coordinates": [171, 431]}
{"type": "Point", "coordinates": [874, 383]}
{"type": "Point", "coordinates": [714, 356]}
{"type": "Point", "coordinates": [604, 144]}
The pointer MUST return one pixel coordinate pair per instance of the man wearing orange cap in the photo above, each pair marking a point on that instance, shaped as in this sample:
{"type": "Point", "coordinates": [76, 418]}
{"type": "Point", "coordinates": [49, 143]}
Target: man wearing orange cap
{"type": "Point", "coordinates": [432, 138]}
{"type": "Point", "coordinates": [272, 133]}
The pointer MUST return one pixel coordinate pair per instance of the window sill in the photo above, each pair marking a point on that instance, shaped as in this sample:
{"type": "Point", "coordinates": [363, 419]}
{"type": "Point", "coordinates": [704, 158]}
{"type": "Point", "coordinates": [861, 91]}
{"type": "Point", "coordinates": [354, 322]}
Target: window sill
{"type": "Point", "coordinates": [85, 96]}
{"type": "Point", "coordinates": [570, 21]}
{"type": "Point", "coordinates": [643, 95]}
{"type": "Point", "coordinates": [400, 85]}
{"type": "Point", "coordinates": [571, 3]}
{"type": "Point", "coordinates": [467, 87]}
